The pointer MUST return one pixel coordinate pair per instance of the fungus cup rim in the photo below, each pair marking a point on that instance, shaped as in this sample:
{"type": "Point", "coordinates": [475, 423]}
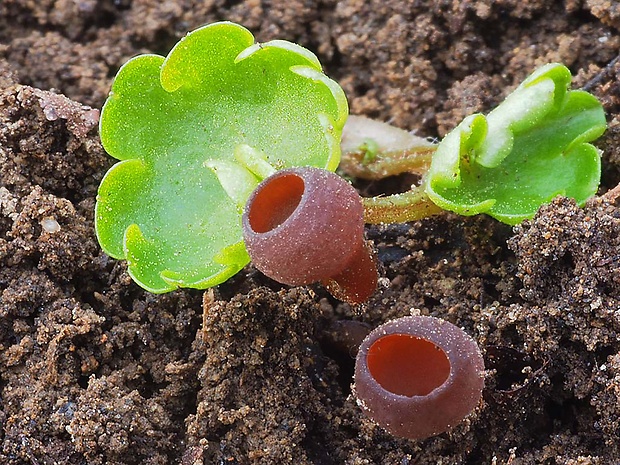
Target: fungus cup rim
{"type": "Point", "coordinates": [376, 335]}
{"type": "Point", "coordinates": [412, 336]}
{"type": "Point", "coordinates": [303, 200]}
{"type": "Point", "coordinates": [422, 416]}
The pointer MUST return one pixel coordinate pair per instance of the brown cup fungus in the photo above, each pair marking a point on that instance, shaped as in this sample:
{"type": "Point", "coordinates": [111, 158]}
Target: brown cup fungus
{"type": "Point", "coordinates": [418, 376]}
{"type": "Point", "coordinates": [303, 225]}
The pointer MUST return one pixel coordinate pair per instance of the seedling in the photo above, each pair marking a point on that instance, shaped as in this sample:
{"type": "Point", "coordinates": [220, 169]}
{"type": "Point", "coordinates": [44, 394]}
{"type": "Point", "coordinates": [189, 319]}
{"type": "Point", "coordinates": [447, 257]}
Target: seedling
{"type": "Point", "coordinates": [197, 131]}
{"type": "Point", "coordinates": [533, 147]}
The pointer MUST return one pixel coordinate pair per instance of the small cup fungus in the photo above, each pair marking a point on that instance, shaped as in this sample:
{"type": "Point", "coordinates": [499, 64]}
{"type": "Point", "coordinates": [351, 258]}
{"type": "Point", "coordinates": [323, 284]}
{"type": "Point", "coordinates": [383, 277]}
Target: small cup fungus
{"type": "Point", "coordinates": [303, 225]}
{"type": "Point", "coordinates": [418, 376]}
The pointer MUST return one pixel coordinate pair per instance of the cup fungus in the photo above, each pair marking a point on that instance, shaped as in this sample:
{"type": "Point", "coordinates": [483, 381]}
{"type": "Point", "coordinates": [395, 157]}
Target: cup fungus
{"type": "Point", "coordinates": [303, 225]}
{"type": "Point", "coordinates": [418, 376]}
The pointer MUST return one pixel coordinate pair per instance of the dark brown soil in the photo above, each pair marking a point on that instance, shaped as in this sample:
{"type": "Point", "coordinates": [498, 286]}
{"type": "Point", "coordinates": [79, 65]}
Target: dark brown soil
{"type": "Point", "coordinates": [93, 370]}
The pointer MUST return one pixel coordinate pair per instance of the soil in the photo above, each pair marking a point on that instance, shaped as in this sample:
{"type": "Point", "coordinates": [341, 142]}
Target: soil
{"type": "Point", "coordinates": [94, 370]}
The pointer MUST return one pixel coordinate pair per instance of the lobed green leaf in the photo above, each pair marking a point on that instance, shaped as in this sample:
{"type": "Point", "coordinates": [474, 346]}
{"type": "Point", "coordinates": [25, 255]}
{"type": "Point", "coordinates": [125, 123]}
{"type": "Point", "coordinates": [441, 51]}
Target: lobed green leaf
{"type": "Point", "coordinates": [531, 148]}
{"type": "Point", "coordinates": [171, 206]}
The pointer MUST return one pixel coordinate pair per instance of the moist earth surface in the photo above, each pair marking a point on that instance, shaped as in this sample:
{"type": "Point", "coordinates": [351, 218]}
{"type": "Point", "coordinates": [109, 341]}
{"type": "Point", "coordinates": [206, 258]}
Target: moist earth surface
{"type": "Point", "coordinates": [94, 370]}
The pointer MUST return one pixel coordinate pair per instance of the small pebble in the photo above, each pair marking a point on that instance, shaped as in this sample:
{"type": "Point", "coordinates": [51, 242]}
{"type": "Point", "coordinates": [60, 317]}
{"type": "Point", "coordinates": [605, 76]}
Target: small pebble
{"type": "Point", "coordinates": [50, 225]}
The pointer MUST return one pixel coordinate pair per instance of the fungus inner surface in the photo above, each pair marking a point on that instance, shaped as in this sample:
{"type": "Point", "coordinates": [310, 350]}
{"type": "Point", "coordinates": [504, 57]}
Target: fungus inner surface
{"type": "Point", "coordinates": [275, 202]}
{"type": "Point", "coordinates": [407, 365]}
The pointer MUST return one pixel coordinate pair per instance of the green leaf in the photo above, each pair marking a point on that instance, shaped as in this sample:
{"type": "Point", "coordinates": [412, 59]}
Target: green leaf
{"type": "Point", "coordinates": [171, 207]}
{"type": "Point", "coordinates": [531, 148]}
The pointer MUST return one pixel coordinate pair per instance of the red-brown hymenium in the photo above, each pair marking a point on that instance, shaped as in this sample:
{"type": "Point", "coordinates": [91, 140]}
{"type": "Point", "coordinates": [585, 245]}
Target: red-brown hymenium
{"type": "Point", "coordinates": [303, 225]}
{"type": "Point", "coordinates": [418, 376]}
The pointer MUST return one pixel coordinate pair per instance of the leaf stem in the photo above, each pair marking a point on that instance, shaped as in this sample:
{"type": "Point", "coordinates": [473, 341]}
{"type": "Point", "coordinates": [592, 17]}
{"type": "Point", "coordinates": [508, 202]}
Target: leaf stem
{"type": "Point", "coordinates": [254, 160]}
{"type": "Point", "coordinates": [373, 150]}
{"type": "Point", "coordinates": [400, 208]}
{"type": "Point", "coordinates": [416, 160]}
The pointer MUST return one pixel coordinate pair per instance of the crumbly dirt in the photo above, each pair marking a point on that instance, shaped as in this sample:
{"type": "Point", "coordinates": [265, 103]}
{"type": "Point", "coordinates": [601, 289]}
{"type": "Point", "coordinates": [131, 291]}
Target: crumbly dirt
{"type": "Point", "coordinates": [94, 370]}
